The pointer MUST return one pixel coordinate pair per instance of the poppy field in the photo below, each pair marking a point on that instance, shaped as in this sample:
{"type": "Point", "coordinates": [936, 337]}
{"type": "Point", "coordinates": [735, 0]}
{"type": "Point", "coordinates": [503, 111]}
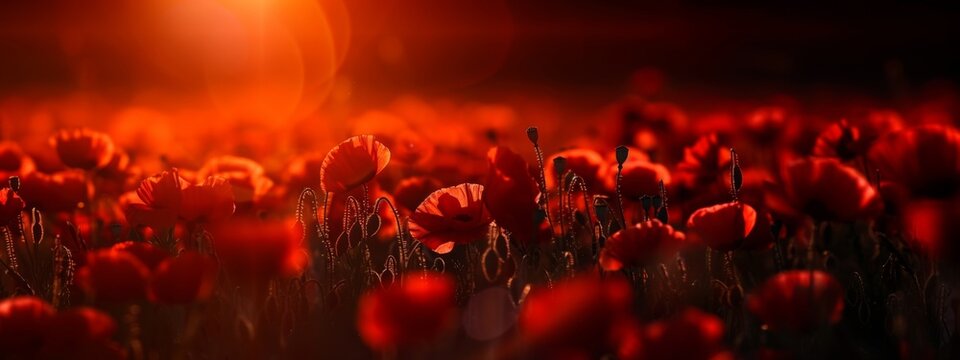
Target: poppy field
{"type": "Point", "coordinates": [259, 196]}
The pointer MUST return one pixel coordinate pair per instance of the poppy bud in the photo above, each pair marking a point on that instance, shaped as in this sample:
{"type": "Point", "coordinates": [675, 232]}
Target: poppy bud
{"type": "Point", "coordinates": [559, 166]}
{"type": "Point", "coordinates": [15, 183]}
{"type": "Point", "coordinates": [622, 153]}
{"type": "Point", "coordinates": [601, 208]}
{"type": "Point", "coordinates": [533, 135]}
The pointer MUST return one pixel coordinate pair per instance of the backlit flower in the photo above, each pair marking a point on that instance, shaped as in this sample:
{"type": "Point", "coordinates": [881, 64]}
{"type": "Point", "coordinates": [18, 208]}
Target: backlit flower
{"type": "Point", "coordinates": [149, 255]}
{"type": "Point", "coordinates": [449, 216]}
{"type": "Point", "coordinates": [83, 148]}
{"type": "Point", "coordinates": [352, 163]}
{"type": "Point", "coordinates": [792, 301]}
{"type": "Point", "coordinates": [722, 227]}
{"type": "Point", "coordinates": [407, 313]}
{"type": "Point", "coordinates": [640, 244]}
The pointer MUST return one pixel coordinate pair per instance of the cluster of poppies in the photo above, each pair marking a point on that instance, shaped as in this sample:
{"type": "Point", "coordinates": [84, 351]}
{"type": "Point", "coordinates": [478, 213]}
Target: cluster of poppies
{"type": "Point", "coordinates": [655, 237]}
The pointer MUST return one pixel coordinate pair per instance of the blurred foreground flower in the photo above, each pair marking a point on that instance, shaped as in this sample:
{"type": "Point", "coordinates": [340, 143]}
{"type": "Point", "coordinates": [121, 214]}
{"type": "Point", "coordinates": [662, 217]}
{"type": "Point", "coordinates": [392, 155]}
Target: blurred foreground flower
{"type": "Point", "coordinates": [798, 301]}
{"type": "Point", "coordinates": [408, 313]}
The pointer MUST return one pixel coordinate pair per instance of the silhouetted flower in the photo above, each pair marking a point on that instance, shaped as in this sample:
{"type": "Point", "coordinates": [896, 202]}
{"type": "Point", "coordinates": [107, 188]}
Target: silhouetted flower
{"type": "Point", "coordinates": [83, 148]}
{"type": "Point", "coordinates": [449, 216]}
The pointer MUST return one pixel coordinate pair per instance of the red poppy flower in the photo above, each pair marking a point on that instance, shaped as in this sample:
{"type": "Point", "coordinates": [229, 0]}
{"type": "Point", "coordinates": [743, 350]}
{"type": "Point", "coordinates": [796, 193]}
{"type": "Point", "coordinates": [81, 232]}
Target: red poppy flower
{"type": "Point", "coordinates": [640, 244]}
{"type": "Point", "coordinates": [148, 254]}
{"type": "Point", "coordinates": [83, 148]}
{"type": "Point", "coordinates": [639, 178]}
{"type": "Point", "coordinates": [722, 227]}
{"type": "Point", "coordinates": [924, 159]}
{"type": "Point", "coordinates": [839, 140]}
{"type": "Point", "coordinates": [510, 194]}
{"type": "Point", "coordinates": [187, 278]}
{"type": "Point", "coordinates": [246, 177]}
{"type": "Point", "coordinates": [209, 201]}
{"type": "Point", "coordinates": [10, 206]}
{"type": "Point", "coordinates": [791, 301]}
{"type": "Point", "coordinates": [410, 192]}
{"type": "Point", "coordinates": [158, 201]}
{"type": "Point", "coordinates": [412, 312]}
{"type": "Point", "coordinates": [824, 189]}
{"type": "Point", "coordinates": [449, 216]}
{"type": "Point", "coordinates": [13, 161]}
{"type": "Point", "coordinates": [23, 320]}
{"type": "Point", "coordinates": [259, 250]}
{"type": "Point", "coordinates": [587, 164]}
{"type": "Point", "coordinates": [691, 334]}
{"type": "Point", "coordinates": [113, 276]}
{"type": "Point", "coordinates": [352, 163]}
{"type": "Point", "coordinates": [59, 192]}
{"type": "Point", "coordinates": [580, 316]}
{"type": "Point", "coordinates": [703, 163]}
